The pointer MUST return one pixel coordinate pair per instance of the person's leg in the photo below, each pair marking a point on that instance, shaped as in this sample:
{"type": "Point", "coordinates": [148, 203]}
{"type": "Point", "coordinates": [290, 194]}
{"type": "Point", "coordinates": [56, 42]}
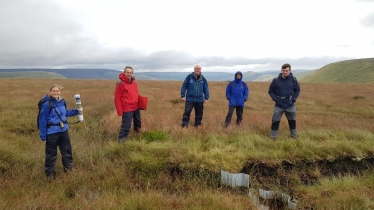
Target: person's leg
{"type": "Point", "coordinates": [239, 115]}
{"type": "Point", "coordinates": [137, 121]}
{"type": "Point", "coordinates": [125, 126]}
{"type": "Point", "coordinates": [50, 155]}
{"type": "Point", "coordinates": [199, 111]}
{"type": "Point", "coordinates": [275, 120]}
{"type": "Point", "coordinates": [229, 115]}
{"type": "Point", "coordinates": [187, 112]}
{"type": "Point", "coordinates": [291, 117]}
{"type": "Point", "coordinates": [66, 151]}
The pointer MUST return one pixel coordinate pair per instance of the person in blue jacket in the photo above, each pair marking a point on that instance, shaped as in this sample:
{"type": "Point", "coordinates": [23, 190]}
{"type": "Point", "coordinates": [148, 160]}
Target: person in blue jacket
{"type": "Point", "coordinates": [237, 93]}
{"type": "Point", "coordinates": [194, 92]}
{"type": "Point", "coordinates": [284, 90]}
{"type": "Point", "coordinates": [53, 130]}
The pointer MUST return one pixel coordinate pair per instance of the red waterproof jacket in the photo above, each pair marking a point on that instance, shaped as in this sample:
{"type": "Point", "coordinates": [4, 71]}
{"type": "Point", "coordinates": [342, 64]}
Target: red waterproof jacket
{"type": "Point", "coordinates": [126, 95]}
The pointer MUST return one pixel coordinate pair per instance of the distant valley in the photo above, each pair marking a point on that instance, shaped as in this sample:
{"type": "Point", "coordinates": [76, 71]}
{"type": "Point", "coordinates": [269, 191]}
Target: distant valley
{"type": "Point", "coordinates": [113, 74]}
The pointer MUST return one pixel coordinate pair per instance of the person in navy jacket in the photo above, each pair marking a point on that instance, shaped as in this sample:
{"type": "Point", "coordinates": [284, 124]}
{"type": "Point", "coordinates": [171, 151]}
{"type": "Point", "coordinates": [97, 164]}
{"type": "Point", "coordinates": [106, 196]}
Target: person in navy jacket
{"type": "Point", "coordinates": [284, 90]}
{"type": "Point", "coordinates": [53, 130]}
{"type": "Point", "coordinates": [237, 93]}
{"type": "Point", "coordinates": [194, 92]}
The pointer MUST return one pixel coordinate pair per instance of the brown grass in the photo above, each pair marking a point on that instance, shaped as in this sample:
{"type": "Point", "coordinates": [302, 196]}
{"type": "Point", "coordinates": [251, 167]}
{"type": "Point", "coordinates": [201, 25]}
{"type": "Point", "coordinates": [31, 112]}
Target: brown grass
{"type": "Point", "coordinates": [167, 166]}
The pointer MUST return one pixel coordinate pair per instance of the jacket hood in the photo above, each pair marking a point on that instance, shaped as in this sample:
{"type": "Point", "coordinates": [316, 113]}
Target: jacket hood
{"type": "Point", "coordinates": [47, 98]}
{"type": "Point", "coordinates": [238, 80]}
{"type": "Point", "coordinates": [122, 77]}
{"type": "Point", "coordinates": [289, 76]}
{"type": "Point", "coordinates": [199, 77]}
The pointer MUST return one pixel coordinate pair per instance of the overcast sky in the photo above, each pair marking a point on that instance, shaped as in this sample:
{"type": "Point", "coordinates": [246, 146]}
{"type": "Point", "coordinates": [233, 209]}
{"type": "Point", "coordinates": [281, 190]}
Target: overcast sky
{"type": "Point", "coordinates": [173, 35]}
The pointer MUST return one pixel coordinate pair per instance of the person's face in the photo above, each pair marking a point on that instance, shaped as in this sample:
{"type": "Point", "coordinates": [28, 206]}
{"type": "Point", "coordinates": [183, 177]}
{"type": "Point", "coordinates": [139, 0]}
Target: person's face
{"type": "Point", "coordinates": [286, 72]}
{"type": "Point", "coordinates": [55, 92]}
{"type": "Point", "coordinates": [197, 70]}
{"type": "Point", "coordinates": [238, 76]}
{"type": "Point", "coordinates": [128, 73]}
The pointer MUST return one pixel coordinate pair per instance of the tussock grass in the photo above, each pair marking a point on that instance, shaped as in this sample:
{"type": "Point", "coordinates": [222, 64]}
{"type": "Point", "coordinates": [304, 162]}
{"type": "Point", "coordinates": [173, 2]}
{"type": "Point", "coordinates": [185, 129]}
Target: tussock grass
{"type": "Point", "coordinates": [166, 166]}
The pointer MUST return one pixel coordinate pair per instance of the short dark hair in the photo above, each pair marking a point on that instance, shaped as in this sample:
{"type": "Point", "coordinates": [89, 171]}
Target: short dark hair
{"type": "Point", "coordinates": [128, 67]}
{"type": "Point", "coordinates": [286, 65]}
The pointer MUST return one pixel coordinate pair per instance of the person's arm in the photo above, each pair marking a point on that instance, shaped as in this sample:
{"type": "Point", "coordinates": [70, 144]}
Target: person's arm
{"type": "Point", "coordinates": [43, 120]}
{"type": "Point", "coordinates": [71, 112]}
{"type": "Point", "coordinates": [296, 91]}
{"type": "Point", "coordinates": [272, 90]}
{"type": "Point", "coordinates": [246, 92]}
{"type": "Point", "coordinates": [117, 99]}
{"type": "Point", "coordinates": [206, 90]}
{"type": "Point", "coordinates": [184, 87]}
{"type": "Point", "coordinates": [228, 91]}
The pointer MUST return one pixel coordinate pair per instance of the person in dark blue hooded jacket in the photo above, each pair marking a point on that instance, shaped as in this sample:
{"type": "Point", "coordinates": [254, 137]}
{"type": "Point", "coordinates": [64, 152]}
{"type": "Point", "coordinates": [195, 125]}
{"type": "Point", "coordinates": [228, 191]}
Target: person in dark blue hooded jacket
{"type": "Point", "coordinates": [237, 93]}
{"type": "Point", "coordinates": [284, 90]}
{"type": "Point", "coordinates": [53, 130]}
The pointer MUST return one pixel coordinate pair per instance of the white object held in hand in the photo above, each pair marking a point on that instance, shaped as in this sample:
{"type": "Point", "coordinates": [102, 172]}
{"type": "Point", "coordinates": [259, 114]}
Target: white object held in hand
{"type": "Point", "coordinates": [78, 102]}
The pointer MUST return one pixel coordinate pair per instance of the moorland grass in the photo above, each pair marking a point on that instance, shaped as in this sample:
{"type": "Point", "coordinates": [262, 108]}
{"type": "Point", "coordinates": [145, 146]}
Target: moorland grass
{"type": "Point", "coordinates": [174, 168]}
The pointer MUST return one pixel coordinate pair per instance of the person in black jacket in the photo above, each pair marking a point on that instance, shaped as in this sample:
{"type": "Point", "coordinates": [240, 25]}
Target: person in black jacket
{"type": "Point", "coordinates": [284, 90]}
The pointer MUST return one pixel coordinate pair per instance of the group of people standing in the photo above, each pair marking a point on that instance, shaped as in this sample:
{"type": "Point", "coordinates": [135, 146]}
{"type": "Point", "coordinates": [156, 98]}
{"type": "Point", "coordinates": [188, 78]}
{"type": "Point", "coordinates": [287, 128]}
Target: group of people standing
{"type": "Point", "coordinates": [284, 91]}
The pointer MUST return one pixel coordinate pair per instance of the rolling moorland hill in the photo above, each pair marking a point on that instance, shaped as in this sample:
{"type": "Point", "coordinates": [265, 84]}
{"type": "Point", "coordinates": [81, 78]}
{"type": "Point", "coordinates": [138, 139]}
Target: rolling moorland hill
{"type": "Point", "coordinates": [113, 74]}
{"type": "Point", "coordinates": [349, 71]}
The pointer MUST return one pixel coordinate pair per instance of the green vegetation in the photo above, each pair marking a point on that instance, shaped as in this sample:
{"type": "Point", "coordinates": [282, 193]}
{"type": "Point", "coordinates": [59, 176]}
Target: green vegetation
{"type": "Point", "coordinates": [330, 165]}
{"type": "Point", "coordinates": [349, 71]}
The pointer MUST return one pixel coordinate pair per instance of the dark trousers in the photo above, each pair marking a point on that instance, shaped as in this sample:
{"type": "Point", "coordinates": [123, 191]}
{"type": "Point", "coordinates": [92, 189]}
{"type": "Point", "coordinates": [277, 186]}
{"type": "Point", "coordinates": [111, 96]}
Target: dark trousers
{"type": "Point", "coordinates": [61, 140]}
{"type": "Point", "coordinates": [199, 107]}
{"type": "Point", "coordinates": [127, 118]}
{"type": "Point", "coordinates": [239, 114]}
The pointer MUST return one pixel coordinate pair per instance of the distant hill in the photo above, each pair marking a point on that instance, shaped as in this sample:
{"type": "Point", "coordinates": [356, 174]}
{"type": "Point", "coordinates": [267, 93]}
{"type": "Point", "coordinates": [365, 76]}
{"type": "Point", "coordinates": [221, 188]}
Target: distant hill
{"type": "Point", "coordinates": [349, 71]}
{"type": "Point", "coordinates": [31, 74]}
{"type": "Point", "coordinates": [69, 73]}
{"type": "Point", "coordinates": [113, 74]}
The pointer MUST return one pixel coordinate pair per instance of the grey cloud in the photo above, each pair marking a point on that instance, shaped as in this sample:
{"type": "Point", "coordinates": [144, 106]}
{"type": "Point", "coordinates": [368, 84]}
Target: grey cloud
{"type": "Point", "coordinates": [36, 33]}
{"type": "Point", "coordinates": [368, 21]}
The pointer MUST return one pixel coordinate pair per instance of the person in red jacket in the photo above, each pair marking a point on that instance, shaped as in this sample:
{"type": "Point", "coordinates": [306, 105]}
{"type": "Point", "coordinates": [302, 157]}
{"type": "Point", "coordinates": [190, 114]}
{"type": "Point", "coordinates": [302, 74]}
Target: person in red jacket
{"type": "Point", "coordinates": [126, 101]}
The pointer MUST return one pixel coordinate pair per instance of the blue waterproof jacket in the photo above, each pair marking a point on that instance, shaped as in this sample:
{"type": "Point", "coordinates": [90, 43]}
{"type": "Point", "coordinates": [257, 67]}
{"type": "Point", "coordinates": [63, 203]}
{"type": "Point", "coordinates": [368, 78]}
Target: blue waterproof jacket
{"type": "Point", "coordinates": [48, 115]}
{"type": "Point", "coordinates": [237, 91]}
{"type": "Point", "coordinates": [284, 91]}
{"type": "Point", "coordinates": [195, 88]}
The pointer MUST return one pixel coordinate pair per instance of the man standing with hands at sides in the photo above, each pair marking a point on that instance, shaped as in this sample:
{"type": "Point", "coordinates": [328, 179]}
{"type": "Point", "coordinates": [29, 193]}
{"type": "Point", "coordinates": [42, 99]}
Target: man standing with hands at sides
{"type": "Point", "coordinates": [126, 102]}
{"type": "Point", "coordinates": [195, 93]}
{"type": "Point", "coordinates": [284, 90]}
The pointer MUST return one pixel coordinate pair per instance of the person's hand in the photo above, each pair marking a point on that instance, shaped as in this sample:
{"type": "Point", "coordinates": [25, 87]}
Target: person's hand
{"type": "Point", "coordinates": [205, 101]}
{"type": "Point", "coordinates": [183, 99]}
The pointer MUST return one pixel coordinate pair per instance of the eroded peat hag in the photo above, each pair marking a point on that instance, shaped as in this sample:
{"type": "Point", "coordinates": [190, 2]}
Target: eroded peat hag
{"type": "Point", "coordinates": [286, 174]}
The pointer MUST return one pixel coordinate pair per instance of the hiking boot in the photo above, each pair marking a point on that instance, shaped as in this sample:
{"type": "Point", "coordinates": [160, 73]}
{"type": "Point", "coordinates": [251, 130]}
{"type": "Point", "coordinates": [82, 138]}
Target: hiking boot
{"type": "Point", "coordinates": [122, 140]}
{"type": "Point", "coordinates": [273, 137]}
{"type": "Point", "coordinates": [293, 137]}
{"type": "Point", "coordinates": [70, 170]}
{"type": "Point", "coordinates": [184, 126]}
{"type": "Point", "coordinates": [51, 177]}
{"type": "Point", "coordinates": [138, 130]}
